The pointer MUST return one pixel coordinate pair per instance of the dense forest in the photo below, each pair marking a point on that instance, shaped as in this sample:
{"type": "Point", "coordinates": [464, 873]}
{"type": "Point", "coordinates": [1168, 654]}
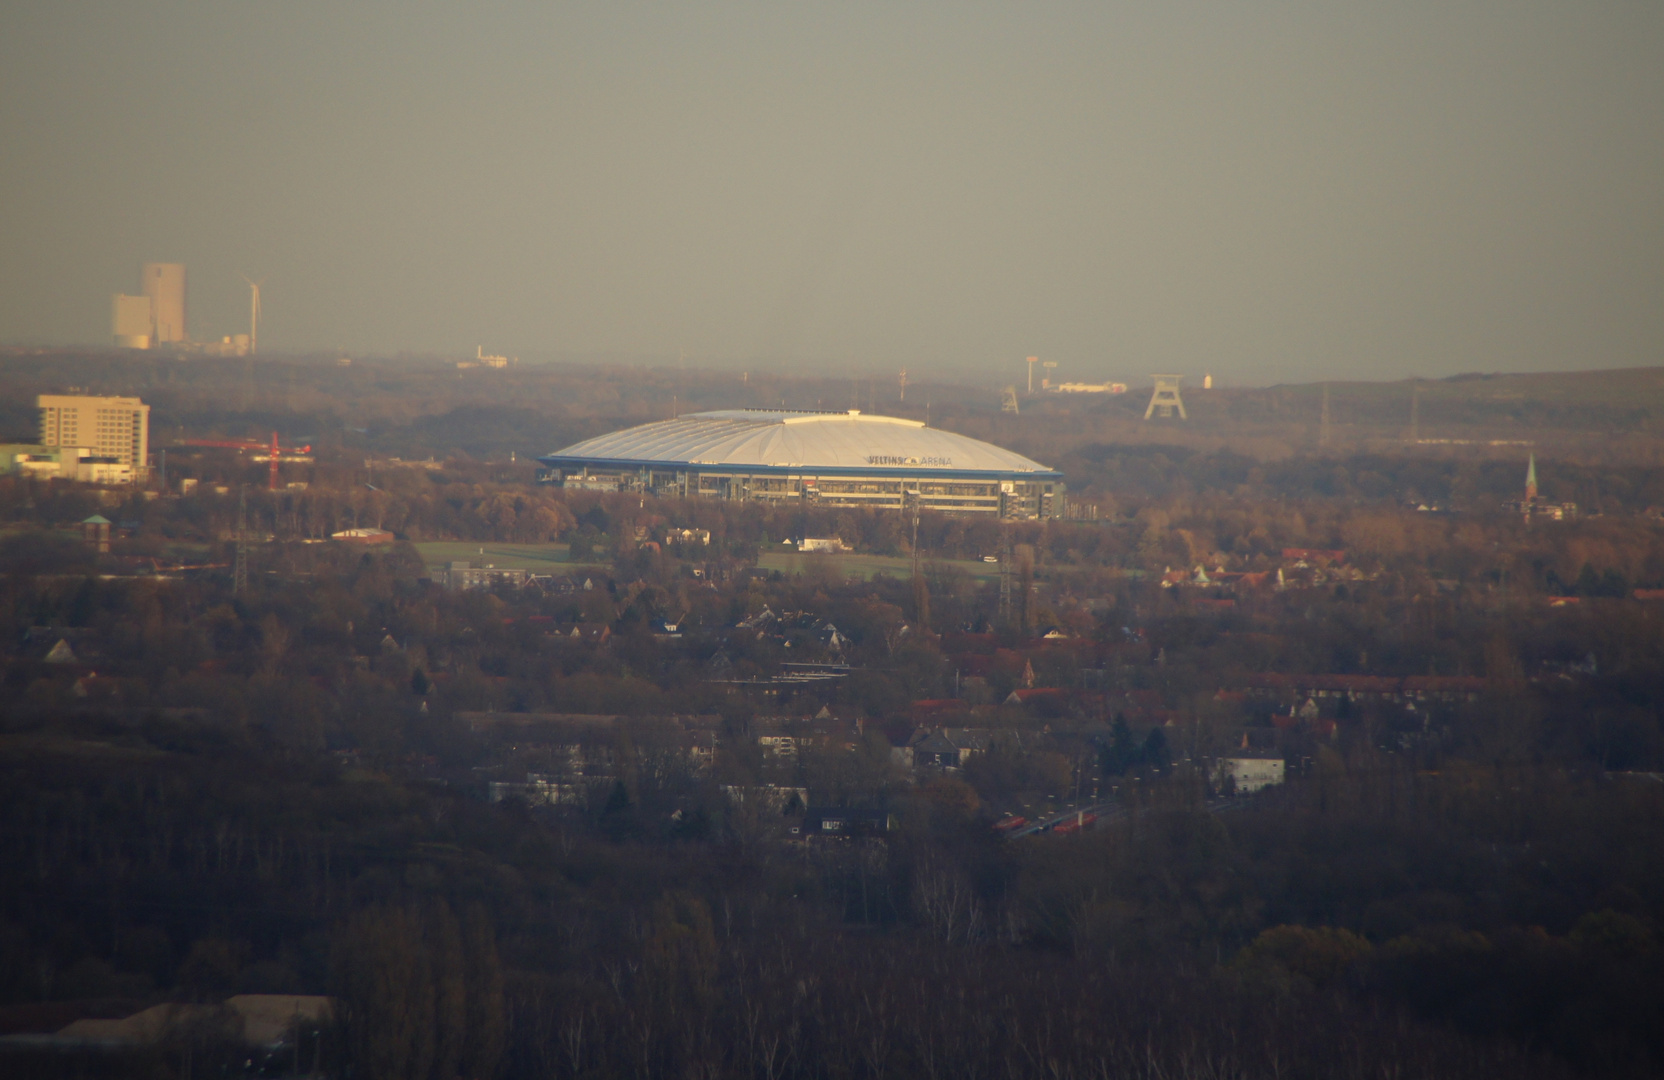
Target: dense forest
{"type": "Point", "coordinates": [1493, 921]}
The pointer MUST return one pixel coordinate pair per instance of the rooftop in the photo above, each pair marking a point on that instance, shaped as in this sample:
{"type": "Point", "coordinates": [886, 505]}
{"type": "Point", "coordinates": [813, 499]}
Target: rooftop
{"type": "Point", "coordinates": [786, 439]}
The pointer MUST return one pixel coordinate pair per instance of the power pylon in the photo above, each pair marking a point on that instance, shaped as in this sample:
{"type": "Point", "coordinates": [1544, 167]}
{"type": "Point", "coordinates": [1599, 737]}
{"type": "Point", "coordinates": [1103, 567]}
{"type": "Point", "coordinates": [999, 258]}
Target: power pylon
{"type": "Point", "coordinates": [239, 565]}
{"type": "Point", "coordinates": [911, 500]}
{"type": "Point", "coordinates": [921, 592]}
{"type": "Point", "coordinates": [1007, 559]}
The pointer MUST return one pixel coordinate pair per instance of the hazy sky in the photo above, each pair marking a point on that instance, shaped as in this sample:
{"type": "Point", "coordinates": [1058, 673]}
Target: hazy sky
{"type": "Point", "coordinates": [1266, 191]}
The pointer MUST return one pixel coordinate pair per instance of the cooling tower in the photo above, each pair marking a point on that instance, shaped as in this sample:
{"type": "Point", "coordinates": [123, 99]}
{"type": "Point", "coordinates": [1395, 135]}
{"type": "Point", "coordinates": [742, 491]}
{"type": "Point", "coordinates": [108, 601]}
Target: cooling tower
{"type": "Point", "coordinates": [164, 283]}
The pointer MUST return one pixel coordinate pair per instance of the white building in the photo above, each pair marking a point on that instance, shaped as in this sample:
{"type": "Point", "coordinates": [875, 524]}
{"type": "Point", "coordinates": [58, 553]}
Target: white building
{"type": "Point", "coordinates": [114, 431]}
{"type": "Point", "coordinates": [1089, 388]}
{"type": "Point", "coordinates": [130, 322]}
{"type": "Point", "coordinates": [1247, 773]}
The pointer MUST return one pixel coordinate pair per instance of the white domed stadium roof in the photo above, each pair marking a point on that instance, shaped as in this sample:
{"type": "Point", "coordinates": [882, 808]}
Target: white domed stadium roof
{"type": "Point", "coordinates": [777, 440]}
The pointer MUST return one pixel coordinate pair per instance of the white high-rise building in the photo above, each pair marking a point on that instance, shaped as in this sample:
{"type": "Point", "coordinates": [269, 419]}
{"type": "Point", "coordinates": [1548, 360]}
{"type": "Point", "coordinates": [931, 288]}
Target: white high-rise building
{"type": "Point", "coordinates": [107, 427]}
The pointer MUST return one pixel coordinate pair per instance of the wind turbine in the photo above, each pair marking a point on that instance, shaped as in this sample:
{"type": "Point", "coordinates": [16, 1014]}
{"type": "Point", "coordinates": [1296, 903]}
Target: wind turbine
{"type": "Point", "coordinates": [254, 314]}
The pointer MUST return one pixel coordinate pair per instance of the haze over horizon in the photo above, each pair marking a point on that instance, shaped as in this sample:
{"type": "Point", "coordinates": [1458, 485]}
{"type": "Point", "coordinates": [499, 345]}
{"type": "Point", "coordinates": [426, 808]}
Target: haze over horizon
{"type": "Point", "coordinates": [1284, 192]}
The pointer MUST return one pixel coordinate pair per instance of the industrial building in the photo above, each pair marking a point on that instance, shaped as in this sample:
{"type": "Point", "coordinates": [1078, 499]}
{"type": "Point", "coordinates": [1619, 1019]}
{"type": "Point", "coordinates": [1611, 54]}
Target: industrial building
{"type": "Point", "coordinates": [1088, 388]}
{"type": "Point", "coordinates": [130, 321]}
{"type": "Point", "coordinates": [157, 315]}
{"type": "Point", "coordinates": [108, 431]}
{"type": "Point", "coordinates": [814, 458]}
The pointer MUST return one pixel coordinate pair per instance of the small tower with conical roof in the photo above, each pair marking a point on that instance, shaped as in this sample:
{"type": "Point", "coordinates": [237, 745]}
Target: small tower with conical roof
{"type": "Point", "coordinates": [95, 532]}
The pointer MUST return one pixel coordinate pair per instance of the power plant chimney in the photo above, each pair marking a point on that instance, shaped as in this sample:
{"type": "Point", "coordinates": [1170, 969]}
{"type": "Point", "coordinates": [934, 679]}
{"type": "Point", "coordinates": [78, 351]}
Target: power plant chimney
{"type": "Point", "coordinates": [254, 314]}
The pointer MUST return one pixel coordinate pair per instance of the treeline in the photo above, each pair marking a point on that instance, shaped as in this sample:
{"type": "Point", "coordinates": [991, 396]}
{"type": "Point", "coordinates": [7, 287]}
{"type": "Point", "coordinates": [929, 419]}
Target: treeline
{"type": "Point", "coordinates": [1374, 916]}
{"type": "Point", "coordinates": [1136, 473]}
{"type": "Point", "coordinates": [1602, 556]}
{"type": "Point", "coordinates": [415, 407]}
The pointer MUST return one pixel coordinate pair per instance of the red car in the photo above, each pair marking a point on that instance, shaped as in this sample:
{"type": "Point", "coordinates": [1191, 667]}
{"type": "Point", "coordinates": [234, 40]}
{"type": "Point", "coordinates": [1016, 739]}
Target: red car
{"type": "Point", "coordinates": [1074, 824]}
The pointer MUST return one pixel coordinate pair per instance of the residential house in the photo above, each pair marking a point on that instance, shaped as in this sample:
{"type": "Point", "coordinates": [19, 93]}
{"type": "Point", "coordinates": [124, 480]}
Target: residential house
{"type": "Point", "coordinates": [773, 798]}
{"type": "Point", "coordinates": [778, 745]}
{"type": "Point", "coordinates": [367, 536]}
{"type": "Point", "coordinates": [461, 575]}
{"type": "Point", "coordinates": [1295, 689]}
{"type": "Point", "coordinates": [945, 748]}
{"type": "Point", "coordinates": [843, 822]}
{"type": "Point", "coordinates": [1246, 772]}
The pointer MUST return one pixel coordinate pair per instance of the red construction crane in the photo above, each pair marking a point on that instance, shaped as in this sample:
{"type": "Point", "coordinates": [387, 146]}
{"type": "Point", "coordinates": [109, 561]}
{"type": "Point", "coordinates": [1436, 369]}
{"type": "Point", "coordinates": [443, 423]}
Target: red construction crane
{"type": "Point", "coordinates": [250, 444]}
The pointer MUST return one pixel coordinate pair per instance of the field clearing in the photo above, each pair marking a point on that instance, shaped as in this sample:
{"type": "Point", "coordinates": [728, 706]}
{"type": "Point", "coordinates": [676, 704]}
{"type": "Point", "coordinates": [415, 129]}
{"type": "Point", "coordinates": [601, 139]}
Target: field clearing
{"type": "Point", "coordinates": [553, 558]}
{"type": "Point", "coordinates": [866, 566]}
{"type": "Point", "coordinates": [547, 558]}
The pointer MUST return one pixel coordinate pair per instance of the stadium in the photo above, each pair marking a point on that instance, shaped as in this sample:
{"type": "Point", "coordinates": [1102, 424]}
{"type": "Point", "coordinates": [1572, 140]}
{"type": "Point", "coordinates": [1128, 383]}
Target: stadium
{"type": "Point", "coordinates": [820, 458]}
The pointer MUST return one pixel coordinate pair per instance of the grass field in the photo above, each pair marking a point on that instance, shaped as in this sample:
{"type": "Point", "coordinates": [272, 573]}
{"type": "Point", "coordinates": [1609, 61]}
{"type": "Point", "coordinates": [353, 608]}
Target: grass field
{"type": "Point", "coordinates": [865, 566]}
{"type": "Point", "coordinates": [549, 558]}
{"type": "Point", "coordinates": [542, 557]}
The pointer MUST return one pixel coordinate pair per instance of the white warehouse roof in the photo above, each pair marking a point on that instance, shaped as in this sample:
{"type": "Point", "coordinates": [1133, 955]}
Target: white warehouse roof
{"type": "Point", "coordinates": [778, 440]}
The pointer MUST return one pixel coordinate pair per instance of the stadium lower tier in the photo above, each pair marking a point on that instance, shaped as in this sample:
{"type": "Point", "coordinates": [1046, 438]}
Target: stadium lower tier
{"type": "Point", "coordinates": [1021, 499]}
